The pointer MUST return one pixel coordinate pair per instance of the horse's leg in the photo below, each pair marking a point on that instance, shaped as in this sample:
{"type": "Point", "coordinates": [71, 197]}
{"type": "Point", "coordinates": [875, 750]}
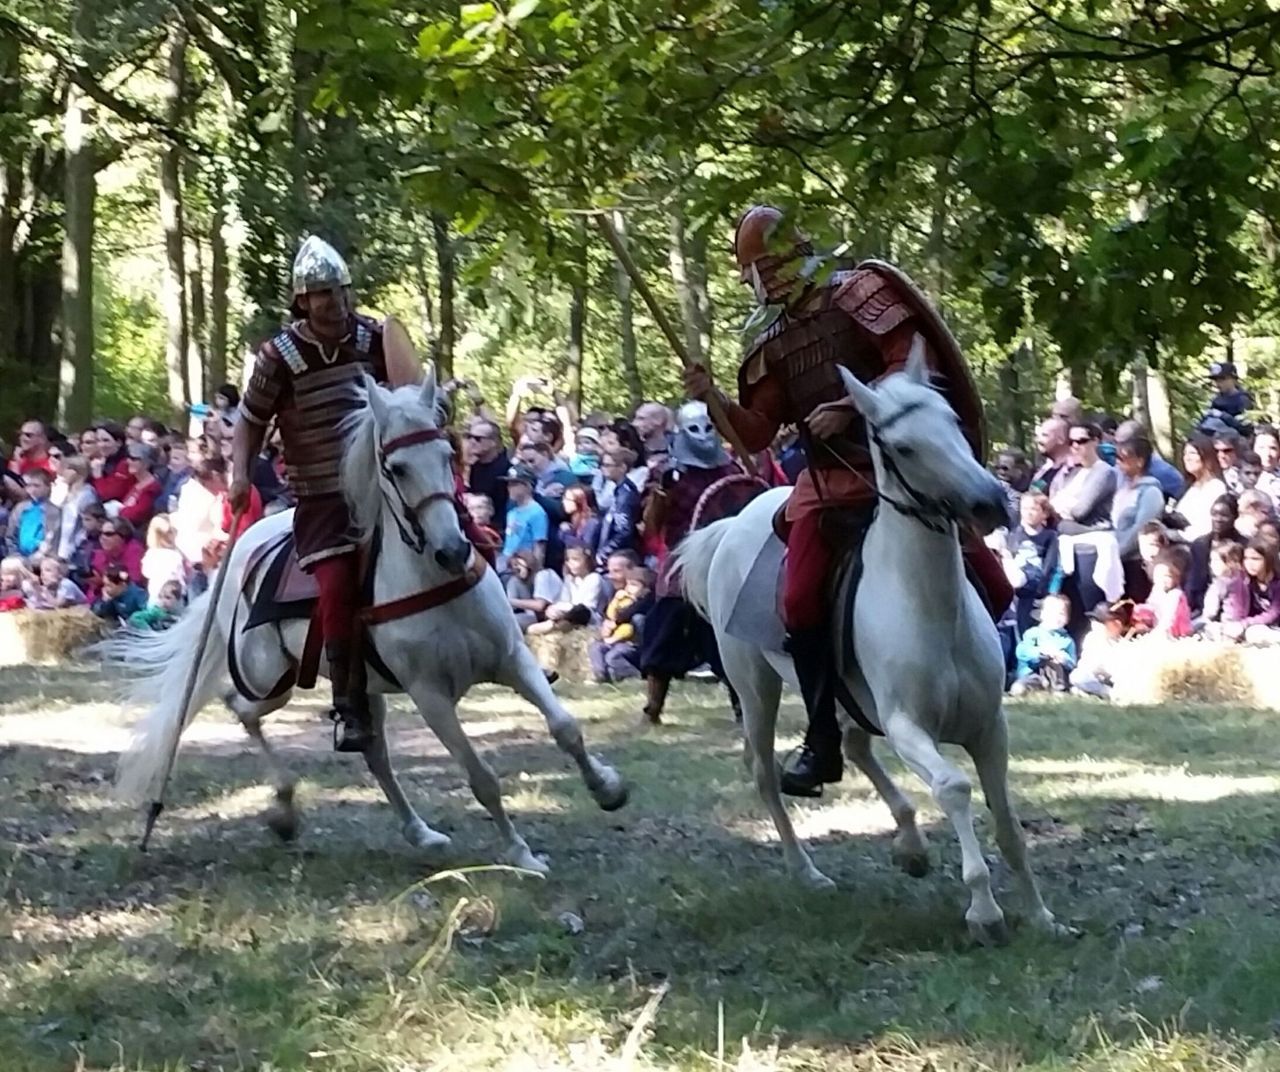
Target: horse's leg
{"type": "Point", "coordinates": [909, 851]}
{"type": "Point", "coordinates": [602, 781]}
{"type": "Point", "coordinates": [442, 716]}
{"type": "Point", "coordinates": [953, 791]}
{"type": "Point", "coordinates": [760, 690]}
{"type": "Point", "coordinates": [991, 758]}
{"type": "Point", "coordinates": [282, 817]}
{"type": "Point", "coordinates": [378, 759]}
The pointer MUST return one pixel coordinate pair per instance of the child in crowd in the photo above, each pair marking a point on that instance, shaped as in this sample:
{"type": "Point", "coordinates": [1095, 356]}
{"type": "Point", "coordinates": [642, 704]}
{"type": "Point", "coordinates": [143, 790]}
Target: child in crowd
{"type": "Point", "coordinates": [1255, 508]}
{"type": "Point", "coordinates": [615, 655]}
{"type": "Point", "coordinates": [35, 524]}
{"type": "Point", "coordinates": [530, 590]}
{"type": "Point", "coordinates": [162, 562]}
{"type": "Point", "coordinates": [1033, 556]}
{"type": "Point", "coordinates": [162, 612]}
{"type": "Point", "coordinates": [120, 598]}
{"type": "Point", "coordinates": [585, 462]}
{"type": "Point", "coordinates": [88, 544]}
{"type": "Point", "coordinates": [1226, 602]}
{"type": "Point", "coordinates": [1046, 653]}
{"type": "Point", "coordinates": [53, 589]}
{"type": "Point", "coordinates": [1094, 674]}
{"type": "Point", "coordinates": [480, 507]}
{"type": "Point", "coordinates": [1260, 563]}
{"type": "Point", "coordinates": [582, 598]}
{"type": "Point", "coordinates": [1168, 602]}
{"type": "Point", "coordinates": [14, 577]}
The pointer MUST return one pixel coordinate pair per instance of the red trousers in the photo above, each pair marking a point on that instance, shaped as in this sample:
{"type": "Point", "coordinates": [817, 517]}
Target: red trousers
{"type": "Point", "coordinates": [808, 575]}
{"type": "Point", "coordinates": [338, 579]}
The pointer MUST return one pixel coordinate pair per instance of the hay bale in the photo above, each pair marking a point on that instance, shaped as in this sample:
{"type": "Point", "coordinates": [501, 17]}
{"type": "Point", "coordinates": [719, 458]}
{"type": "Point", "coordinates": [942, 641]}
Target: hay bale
{"type": "Point", "coordinates": [47, 636]}
{"type": "Point", "coordinates": [1196, 671]}
{"type": "Point", "coordinates": [565, 653]}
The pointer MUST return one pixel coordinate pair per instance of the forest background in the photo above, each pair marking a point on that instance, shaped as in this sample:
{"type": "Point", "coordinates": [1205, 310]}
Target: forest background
{"type": "Point", "coordinates": [1089, 189]}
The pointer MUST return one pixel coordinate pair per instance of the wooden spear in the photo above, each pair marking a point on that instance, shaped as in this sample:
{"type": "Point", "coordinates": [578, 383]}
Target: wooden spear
{"type": "Point", "coordinates": [714, 406]}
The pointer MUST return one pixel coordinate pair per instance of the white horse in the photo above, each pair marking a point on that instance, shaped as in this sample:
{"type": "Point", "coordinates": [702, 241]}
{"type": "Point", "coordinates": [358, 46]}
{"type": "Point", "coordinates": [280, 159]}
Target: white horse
{"type": "Point", "coordinates": [930, 662]}
{"type": "Point", "coordinates": [397, 473]}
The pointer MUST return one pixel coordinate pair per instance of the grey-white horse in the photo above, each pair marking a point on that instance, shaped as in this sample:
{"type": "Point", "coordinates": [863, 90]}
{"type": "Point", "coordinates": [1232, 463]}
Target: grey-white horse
{"type": "Point", "coordinates": [931, 668]}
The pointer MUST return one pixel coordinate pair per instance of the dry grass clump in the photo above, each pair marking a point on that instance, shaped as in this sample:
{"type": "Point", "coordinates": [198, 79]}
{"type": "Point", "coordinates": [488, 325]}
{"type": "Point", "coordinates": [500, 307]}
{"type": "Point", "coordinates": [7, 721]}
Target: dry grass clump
{"type": "Point", "coordinates": [564, 652]}
{"type": "Point", "coordinates": [1195, 671]}
{"type": "Point", "coordinates": [47, 636]}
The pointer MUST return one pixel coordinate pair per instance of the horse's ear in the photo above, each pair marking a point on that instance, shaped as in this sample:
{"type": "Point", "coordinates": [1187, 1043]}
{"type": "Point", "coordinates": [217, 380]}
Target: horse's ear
{"type": "Point", "coordinates": [917, 362]}
{"type": "Point", "coordinates": [377, 404]}
{"type": "Point", "coordinates": [863, 397]}
{"type": "Point", "coordinates": [429, 386]}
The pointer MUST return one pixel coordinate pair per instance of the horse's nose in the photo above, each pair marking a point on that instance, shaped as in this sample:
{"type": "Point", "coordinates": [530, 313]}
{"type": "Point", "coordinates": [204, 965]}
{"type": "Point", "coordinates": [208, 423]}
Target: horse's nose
{"type": "Point", "coordinates": [991, 511]}
{"type": "Point", "coordinates": [454, 558]}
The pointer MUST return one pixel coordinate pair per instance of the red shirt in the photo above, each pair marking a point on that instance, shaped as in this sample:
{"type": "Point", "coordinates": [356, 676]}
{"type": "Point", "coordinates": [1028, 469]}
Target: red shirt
{"type": "Point", "coordinates": [26, 464]}
{"type": "Point", "coordinates": [140, 502]}
{"type": "Point", "coordinates": [116, 481]}
{"type": "Point", "coordinates": [252, 513]}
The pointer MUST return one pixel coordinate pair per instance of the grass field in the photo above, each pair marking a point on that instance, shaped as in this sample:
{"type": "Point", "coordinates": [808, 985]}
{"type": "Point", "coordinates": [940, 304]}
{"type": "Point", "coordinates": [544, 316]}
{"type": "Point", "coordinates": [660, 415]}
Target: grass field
{"type": "Point", "coordinates": [1153, 832]}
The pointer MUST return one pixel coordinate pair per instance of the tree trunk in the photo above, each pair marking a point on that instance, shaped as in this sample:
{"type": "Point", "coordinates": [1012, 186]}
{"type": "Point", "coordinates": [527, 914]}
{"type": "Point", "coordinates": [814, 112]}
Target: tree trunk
{"type": "Point", "coordinates": [197, 352]}
{"type": "Point", "coordinates": [626, 328]}
{"type": "Point", "coordinates": [1141, 395]}
{"type": "Point", "coordinates": [697, 246]}
{"type": "Point", "coordinates": [174, 288]}
{"type": "Point", "coordinates": [577, 337]}
{"type": "Point", "coordinates": [425, 310]}
{"type": "Point", "coordinates": [10, 197]}
{"type": "Point", "coordinates": [75, 394]}
{"type": "Point", "coordinates": [1014, 415]}
{"type": "Point", "coordinates": [677, 258]}
{"type": "Point", "coordinates": [445, 269]}
{"type": "Point", "coordinates": [219, 285]}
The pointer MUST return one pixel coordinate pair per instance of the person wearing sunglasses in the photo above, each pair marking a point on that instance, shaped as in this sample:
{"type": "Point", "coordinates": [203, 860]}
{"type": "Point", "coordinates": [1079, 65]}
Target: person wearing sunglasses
{"type": "Point", "coordinates": [118, 549]}
{"type": "Point", "coordinates": [1083, 503]}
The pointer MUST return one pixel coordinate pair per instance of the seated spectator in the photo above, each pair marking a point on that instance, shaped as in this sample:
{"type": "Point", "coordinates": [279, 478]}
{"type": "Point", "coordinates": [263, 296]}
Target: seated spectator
{"type": "Point", "coordinates": [527, 523]}
{"type": "Point", "coordinates": [74, 494]}
{"type": "Point", "coordinates": [162, 562]}
{"type": "Point", "coordinates": [1223, 519]}
{"type": "Point", "coordinates": [619, 525]}
{"type": "Point", "coordinates": [1094, 674]}
{"type": "Point", "coordinates": [1010, 469]}
{"type": "Point", "coordinates": [88, 444]}
{"type": "Point", "coordinates": [1083, 502]}
{"type": "Point", "coordinates": [194, 522]}
{"type": "Point", "coordinates": [139, 503]}
{"type": "Point", "coordinates": [582, 598]}
{"type": "Point", "coordinates": [1260, 563]}
{"type": "Point", "coordinates": [14, 578]}
{"type": "Point", "coordinates": [486, 464]}
{"type": "Point", "coordinates": [226, 401]}
{"type": "Point", "coordinates": [1033, 551]}
{"type": "Point", "coordinates": [32, 451]}
{"type": "Point", "coordinates": [1250, 471]}
{"type": "Point", "coordinates": [1204, 488]}
{"type": "Point", "coordinates": [1255, 508]}
{"type": "Point", "coordinates": [1138, 500]}
{"type": "Point", "coordinates": [1167, 601]}
{"type": "Point", "coordinates": [1046, 653]}
{"type": "Point", "coordinates": [1226, 447]}
{"type": "Point", "coordinates": [1266, 442]}
{"type": "Point", "coordinates": [1269, 533]}
{"type": "Point", "coordinates": [162, 611]}
{"type": "Point", "coordinates": [581, 527]}
{"type": "Point", "coordinates": [80, 561]}
{"type": "Point", "coordinates": [181, 461]}
{"type": "Point", "coordinates": [34, 524]}
{"type": "Point", "coordinates": [119, 550]}
{"type": "Point", "coordinates": [480, 510]}
{"type": "Point", "coordinates": [615, 653]}
{"type": "Point", "coordinates": [1170, 479]}
{"type": "Point", "coordinates": [111, 476]}
{"type": "Point", "coordinates": [211, 474]}
{"type": "Point", "coordinates": [1226, 603]}
{"type": "Point", "coordinates": [121, 597]}
{"type": "Point", "coordinates": [585, 463]}
{"type": "Point", "coordinates": [553, 476]}
{"type": "Point", "coordinates": [531, 589]}
{"type": "Point", "coordinates": [53, 589]}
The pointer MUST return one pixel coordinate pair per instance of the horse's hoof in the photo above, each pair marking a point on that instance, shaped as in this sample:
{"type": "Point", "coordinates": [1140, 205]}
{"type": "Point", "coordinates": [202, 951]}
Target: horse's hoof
{"type": "Point", "coordinates": [1047, 925]}
{"type": "Point", "coordinates": [612, 793]}
{"type": "Point", "coordinates": [525, 860]}
{"type": "Point", "coordinates": [995, 933]}
{"type": "Point", "coordinates": [816, 880]}
{"type": "Point", "coordinates": [282, 820]}
{"type": "Point", "coordinates": [421, 836]}
{"type": "Point", "coordinates": [915, 864]}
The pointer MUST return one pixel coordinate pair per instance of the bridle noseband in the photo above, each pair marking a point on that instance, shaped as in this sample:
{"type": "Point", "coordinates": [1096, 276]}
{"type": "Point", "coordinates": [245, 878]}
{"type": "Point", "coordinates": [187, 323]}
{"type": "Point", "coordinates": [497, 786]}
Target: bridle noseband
{"type": "Point", "coordinates": [412, 534]}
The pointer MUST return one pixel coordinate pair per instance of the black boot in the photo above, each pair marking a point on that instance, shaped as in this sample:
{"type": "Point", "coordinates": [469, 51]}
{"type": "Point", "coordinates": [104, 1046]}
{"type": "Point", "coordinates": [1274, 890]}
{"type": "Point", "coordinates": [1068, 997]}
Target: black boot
{"type": "Point", "coordinates": [818, 761]}
{"type": "Point", "coordinates": [353, 722]}
{"type": "Point", "coordinates": [656, 688]}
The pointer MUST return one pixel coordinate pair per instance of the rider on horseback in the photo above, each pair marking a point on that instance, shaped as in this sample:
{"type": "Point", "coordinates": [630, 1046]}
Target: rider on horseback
{"type": "Point", "coordinates": [305, 378]}
{"type": "Point", "coordinates": [865, 320]}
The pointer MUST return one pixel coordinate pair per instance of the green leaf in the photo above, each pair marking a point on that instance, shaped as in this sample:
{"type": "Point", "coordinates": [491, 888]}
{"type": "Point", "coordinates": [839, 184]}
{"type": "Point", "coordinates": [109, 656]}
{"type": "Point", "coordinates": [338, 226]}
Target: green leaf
{"type": "Point", "coordinates": [521, 10]}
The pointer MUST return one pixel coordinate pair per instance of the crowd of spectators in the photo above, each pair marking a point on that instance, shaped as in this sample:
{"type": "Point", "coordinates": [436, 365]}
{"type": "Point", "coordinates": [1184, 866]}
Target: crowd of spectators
{"type": "Point", "coordinates": [1114, 543]}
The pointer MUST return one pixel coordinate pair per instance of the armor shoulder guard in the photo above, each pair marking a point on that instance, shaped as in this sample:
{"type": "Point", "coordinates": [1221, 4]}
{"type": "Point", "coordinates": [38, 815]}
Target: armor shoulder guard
{"type": "Point", "coordinates": [285, 345]}
{"type": "Point", "coordinates": [872, 299]}
{"type": "Point", "coordinates": [367, 336]}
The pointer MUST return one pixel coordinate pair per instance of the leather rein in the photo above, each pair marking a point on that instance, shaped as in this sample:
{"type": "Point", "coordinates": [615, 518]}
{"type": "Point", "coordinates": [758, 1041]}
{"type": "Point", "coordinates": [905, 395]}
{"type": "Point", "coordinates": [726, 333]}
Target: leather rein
{"type": "Point", "coordinates": [414, 536]}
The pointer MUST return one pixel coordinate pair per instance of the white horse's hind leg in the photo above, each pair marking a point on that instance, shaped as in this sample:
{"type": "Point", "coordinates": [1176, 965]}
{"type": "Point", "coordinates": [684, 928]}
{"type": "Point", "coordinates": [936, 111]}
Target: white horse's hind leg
{"type": "Point", "coordinates": [603, 782]}
{"type": "Point", "coordinates": [282, 817]}
{"type": "Point", "coordinates": [760, 689]}
{"type": "Point", "coordinates": [991, 758]}
{"type": "Point", "coordinates": [909, 851]}
{"type": "Point", "coordinates": [953, 791]}
{"type": "Point", "coordinates": [378, 760]}
{"type": "Point", "coordinates": [442, 717]}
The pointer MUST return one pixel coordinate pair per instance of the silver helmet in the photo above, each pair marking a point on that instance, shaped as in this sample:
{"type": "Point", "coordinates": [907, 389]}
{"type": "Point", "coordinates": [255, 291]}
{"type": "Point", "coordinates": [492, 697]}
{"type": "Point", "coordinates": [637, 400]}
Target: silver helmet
{"type": "Point", "coordinates": [697, 443]}
{"type": "Point", "coordinates": [318, 266]}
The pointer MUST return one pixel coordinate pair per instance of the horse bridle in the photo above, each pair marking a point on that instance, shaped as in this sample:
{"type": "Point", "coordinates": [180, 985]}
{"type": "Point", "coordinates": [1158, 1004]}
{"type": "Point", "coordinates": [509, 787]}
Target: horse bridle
{"type": "Point", "coordinates": [934, 514]}
{"type": "Point", "coordinates": [412, 534]}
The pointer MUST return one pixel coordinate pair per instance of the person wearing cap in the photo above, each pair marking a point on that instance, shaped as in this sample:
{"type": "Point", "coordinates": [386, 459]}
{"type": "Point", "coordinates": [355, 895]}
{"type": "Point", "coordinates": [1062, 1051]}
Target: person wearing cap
{"type": "Point", "coordinates": [1230, 402]}
{"type": "Point", "coordinates": [527, 525]}
{"type": "Point", "coordinates": [139, 502]}
{"type": "Point", "coordinates": [1094, 673]}
{"type": "Point", "coordinates": [814, 323]}
{"type": "Point", "coordinates": [303, 379]}
{"type": "Point", "coordinates": [121, 597]}
{"type": "Point", "coordinates": [585, 462]}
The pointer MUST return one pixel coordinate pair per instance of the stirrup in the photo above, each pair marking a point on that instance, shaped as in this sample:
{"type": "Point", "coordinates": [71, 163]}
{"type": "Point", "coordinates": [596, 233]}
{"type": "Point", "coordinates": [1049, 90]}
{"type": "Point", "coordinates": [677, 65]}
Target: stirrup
{"type": "Point", "coordinates": [350, 734]}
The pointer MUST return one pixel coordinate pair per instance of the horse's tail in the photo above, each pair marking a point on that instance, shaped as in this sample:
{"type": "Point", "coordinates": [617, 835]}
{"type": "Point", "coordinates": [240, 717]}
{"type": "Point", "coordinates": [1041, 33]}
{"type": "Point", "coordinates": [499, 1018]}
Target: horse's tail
{"type": "Point", "coordinates": [692, 563]}
{"type": "Point", "coordinates": [158, 665]}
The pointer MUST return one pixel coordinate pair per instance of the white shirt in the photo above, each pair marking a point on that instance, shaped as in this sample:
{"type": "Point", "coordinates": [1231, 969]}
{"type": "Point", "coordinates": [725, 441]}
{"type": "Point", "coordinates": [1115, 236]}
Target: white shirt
{"type": "Point", "coordinates": [1195, 505]}
{"type": "Point", "coordinates": [588, 591]}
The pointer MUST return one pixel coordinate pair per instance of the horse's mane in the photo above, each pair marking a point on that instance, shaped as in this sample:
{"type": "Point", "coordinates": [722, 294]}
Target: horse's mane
{"type": "Point", "coordinates": [358, 474]}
